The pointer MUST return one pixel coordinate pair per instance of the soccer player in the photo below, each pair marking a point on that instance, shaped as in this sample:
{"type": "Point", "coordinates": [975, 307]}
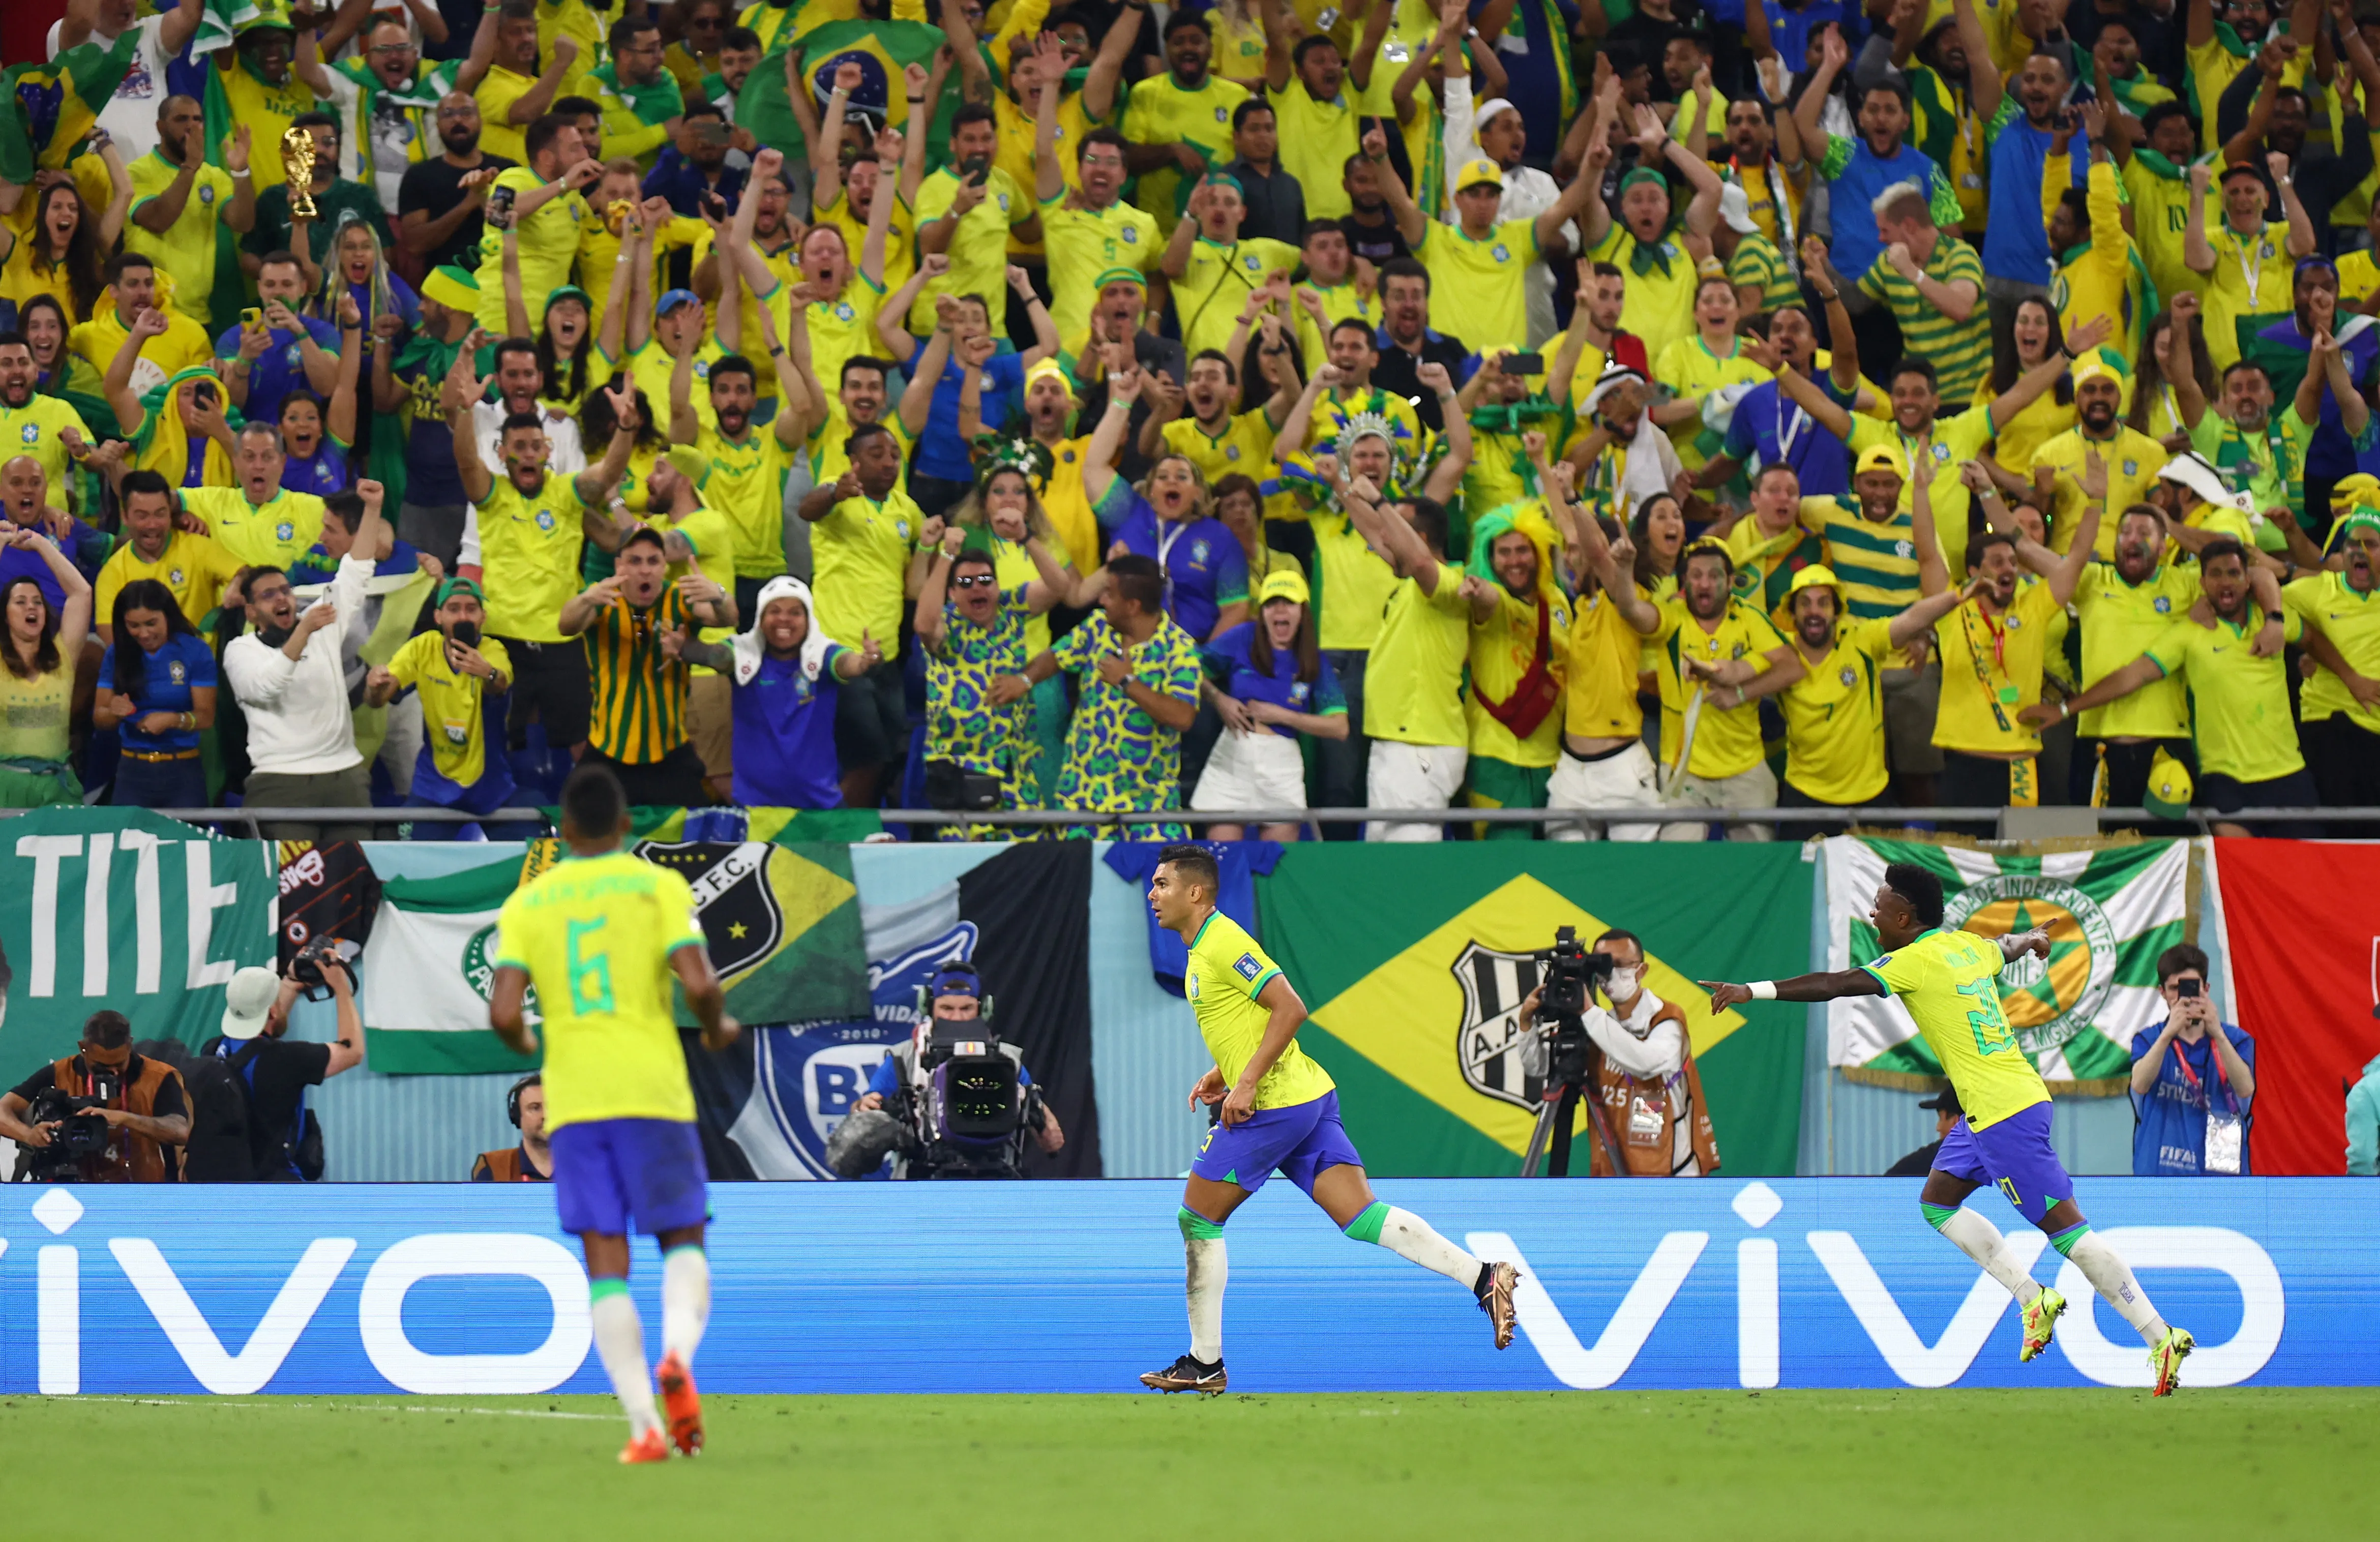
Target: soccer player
{"type": "Point", "coordinates": [1947, 981]}
{"type": "Point", "coordinates": [599, 937]}
{"type": "Point", "coordinates": [1278, 1109]}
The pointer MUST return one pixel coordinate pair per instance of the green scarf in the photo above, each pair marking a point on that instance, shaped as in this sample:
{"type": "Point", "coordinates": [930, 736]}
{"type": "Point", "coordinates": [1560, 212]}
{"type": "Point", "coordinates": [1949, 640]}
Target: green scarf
{"type": "Point", "coordinates": [654, 103]}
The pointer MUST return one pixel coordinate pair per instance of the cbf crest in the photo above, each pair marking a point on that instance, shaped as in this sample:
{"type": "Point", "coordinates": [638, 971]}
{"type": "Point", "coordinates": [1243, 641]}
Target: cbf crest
{"type": "Point", "coordinates": [1488, 1041]}
{"type": "Point", "coordinates": [742, 920]}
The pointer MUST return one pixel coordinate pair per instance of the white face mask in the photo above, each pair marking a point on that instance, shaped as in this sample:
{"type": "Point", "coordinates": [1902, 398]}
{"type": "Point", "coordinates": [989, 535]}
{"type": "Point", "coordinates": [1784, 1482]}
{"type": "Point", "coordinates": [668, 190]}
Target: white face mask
{"type": "Point", "coordinates": [1625, 982]}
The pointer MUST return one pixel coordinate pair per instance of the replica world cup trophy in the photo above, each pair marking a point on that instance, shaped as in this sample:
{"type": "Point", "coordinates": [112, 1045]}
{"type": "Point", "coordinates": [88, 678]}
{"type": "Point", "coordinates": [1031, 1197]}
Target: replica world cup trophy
{"type": "Point", "coordinates": [297, 156]}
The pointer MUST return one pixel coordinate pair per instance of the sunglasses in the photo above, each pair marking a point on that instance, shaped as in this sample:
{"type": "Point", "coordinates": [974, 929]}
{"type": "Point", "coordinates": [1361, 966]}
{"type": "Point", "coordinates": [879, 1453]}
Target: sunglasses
{"type": "Point", "coordinates": [981, 580]}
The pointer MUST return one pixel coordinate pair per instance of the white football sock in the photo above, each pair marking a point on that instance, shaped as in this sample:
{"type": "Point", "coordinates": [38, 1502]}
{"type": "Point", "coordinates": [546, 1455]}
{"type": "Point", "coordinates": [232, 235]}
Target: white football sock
{"type": "Point", "coordinates": [1408, 1236]}
{"type": "Point", "coordinates": [1206, 1268]}
{"type": "Point", "coordinates": [620, 1340]}
{"type": "Point", "coordinates": [2112, 1278]}
{"type": "Point", "coordinates": [1981, 1241]}
{"type": "Point", "coordinates": [686, 1300]}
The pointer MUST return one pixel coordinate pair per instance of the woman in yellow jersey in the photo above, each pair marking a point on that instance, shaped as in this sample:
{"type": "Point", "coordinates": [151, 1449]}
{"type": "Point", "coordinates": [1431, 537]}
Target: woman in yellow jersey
{"type": "Point", "coordinates": [38, 649]}
{"type": "Point", "coordinates": [1709, 360]}
{"type": "Point", "coordinates": [68, 245]}
{"type": "Point", "coordinates": [2047, 415]}
{"type": "Point", "coordinates": [2154, 410]}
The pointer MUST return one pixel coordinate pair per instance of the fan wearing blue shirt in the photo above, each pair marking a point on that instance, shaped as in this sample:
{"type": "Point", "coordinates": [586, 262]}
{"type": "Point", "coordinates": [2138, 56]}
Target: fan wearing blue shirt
{"type": "Point", "coordinates": [1167, 518]}
{"type": "Point", "coordinates": [786, 674]}
{"type": "Point", "coordinates": [264, 359]}
{"type": "Point", "coordinates": [941, 469]}
{"type": "Point", "coordinates": [158, 682]}
{"type": "Point", "coordinates": [1270, 684]}
{"type": "Point", "coordinates": [315, 441]}
{"type": "Point", "coordinates": [2192, 1074]}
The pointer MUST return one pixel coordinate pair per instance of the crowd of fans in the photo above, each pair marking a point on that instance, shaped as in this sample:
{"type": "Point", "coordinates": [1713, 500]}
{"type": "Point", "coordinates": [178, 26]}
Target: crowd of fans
{"type": "Point", "coordinates": [1656, 406]}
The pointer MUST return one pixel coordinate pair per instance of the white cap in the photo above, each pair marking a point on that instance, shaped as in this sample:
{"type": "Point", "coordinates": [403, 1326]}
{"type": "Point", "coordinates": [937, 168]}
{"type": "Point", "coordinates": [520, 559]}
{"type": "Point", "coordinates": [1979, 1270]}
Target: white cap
{"type": "Point", "coordinates": [248, 1001]}
{"type": "Point", "coordinates": [1735, 208]}
{"type": "Point", "coordinates": [1488, 109]}
{"type": "Point", "coordinates": [2192, 471]}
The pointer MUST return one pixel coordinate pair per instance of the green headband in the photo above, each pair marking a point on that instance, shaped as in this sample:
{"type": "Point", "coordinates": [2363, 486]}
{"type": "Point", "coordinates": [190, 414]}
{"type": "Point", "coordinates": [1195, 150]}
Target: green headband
{"type": "Point", "coordinates": [2363, 517]}
{"type": "Point", "coordinates": [1643, 177]}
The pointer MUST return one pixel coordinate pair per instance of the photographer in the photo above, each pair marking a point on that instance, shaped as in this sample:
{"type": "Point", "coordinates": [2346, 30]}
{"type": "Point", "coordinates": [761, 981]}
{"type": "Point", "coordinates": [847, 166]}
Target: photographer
{"type": "Point", "coordinates": [102, 1115]}
{"type": "Point", "coordinates": [532, 1160]}
{"type": "Point", "coordinates": [957, 992]}
{"type": "Point", "coordinates": [2193, 1081]}
{"type": "Point", "coordinates": [283, 1139]}
{"type": "Point", "coordinates": [1650, 1093]}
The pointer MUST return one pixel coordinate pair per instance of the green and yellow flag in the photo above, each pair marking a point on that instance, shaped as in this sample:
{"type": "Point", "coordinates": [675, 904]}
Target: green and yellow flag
{"type": "Point", "coordinates": [53, 106]}
{"type": "Point", "coordinates": [883, 49]}
{"type": "Point", "coordinates": [1413, 992]}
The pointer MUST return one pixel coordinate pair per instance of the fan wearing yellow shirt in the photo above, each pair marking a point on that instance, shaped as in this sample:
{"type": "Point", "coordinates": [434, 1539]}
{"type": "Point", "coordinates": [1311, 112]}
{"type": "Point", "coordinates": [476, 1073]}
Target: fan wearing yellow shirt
{"type": "Point", "coordinates": [1708, 648]}
{"type": "Point", "coordinates": [174, 344]}
{"type": "Point", "coordinates": [261, 89]}
{"type": "Point", "coordinates": [1179, 123]}
{"type": "Point", "coordinates": [1479, 266]}
{"type": "Point", "coordinates": [194, 568]}
{"type": "Point", "coordinates": [1089, 230]}
{"type": "Point", "coordinates": [2246, 263]}
{"type": "Point", "coordinates": [2247, 741]}
{"type": "Point", "coordinates": [1040, 105]}
{"type": "Point", "coordinates": [1710, 360]}
{"type": "Point", "coordinates": [1604, 761]}
{"type": "Point", "coordinates": [1213, 269]}
{"type": "Point", "coordinates": [840, 298]}
{"type": "Point", "coordinates": [2340, 706]}
{"type": "Point", "coordinates": [2100, 461]}
{"type": "Point", "coordinates": [180, 203]}
{"type": "Point", "coordinates": [31, 424]}
{"type": "Point", "coordinates": [1305, 79]}
{"type": "Point", "coordinates": [1520, 650]}
{"type": "Point", "coordinates": [257, 522]}
{"type": "Point", "coordinates": [1213, 438]}
{"type": "Point", "coordinates": [1834, 713]}
{"type": "Point", "coordinates": [549, 215]}
{"type": "Point", "coordinates": [453, 679]}
{"type": "Point", "coordinates": [965, 210]}
{"type": "Point", "coordinates": [515, 92]}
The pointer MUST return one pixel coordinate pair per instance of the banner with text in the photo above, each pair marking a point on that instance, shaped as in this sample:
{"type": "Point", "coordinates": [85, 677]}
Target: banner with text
{"type": "Point", "coordinates": [123, 909]}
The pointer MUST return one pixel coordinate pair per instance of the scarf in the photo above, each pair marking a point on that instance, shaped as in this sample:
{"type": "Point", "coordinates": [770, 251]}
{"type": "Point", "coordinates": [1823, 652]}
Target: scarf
{"type": "Point", "coordinates": [162, 443]}
{"type": "Point", "coordinates": [750, 650]}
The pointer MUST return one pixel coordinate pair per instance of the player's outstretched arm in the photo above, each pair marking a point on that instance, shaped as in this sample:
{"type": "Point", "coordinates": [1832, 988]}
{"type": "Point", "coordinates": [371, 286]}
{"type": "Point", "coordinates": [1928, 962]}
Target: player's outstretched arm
{"type": "Point", "coordinates": [1824, 987]}
{"type": "Point", "coordinates": [2016, 945]}
{"type": "Point", "coordinates": [706, 996]}
{"type": "Point", "coordinates": [505, 997]}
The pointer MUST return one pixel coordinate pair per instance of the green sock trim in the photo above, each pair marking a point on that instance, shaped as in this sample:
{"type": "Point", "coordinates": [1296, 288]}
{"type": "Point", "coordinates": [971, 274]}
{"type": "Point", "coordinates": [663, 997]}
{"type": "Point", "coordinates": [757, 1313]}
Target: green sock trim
{"type": "Point", "coordinates": [597, 1290]}
{"type": "Point", "coordinates": [1938, 1216]}
{"type": "Point", "coordinates": [668, 1253]}
{"type": "Point", "coordinates": [2064, 1241]}
{"type": "Point", "coordinates": [1366, 1227]}
{"type": "Point", "coordinates": [1195, 1225]}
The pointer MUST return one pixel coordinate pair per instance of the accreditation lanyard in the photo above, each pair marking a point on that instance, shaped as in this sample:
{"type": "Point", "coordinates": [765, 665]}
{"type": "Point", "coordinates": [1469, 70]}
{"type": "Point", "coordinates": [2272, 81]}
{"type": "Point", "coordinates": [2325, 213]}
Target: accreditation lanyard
{"type": "Point", "coordinates": [1788, 428]}
{"type": "Point", "coordinates": [1167, 532]}
{"type": "Point", "coordinates": [2197, 1089]}
{"type": "Point", "coordinates": [2249, 269]}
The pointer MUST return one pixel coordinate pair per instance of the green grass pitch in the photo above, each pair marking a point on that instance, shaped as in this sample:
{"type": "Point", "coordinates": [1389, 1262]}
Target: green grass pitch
{"type": "Point", "coordinates": [1657, 1466]}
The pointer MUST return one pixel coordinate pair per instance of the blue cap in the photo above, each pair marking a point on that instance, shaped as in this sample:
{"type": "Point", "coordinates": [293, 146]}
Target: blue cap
{"type": "Point", "coordinates": [672, 298]}
{"type": "Point", "coordinates": [956, 979]}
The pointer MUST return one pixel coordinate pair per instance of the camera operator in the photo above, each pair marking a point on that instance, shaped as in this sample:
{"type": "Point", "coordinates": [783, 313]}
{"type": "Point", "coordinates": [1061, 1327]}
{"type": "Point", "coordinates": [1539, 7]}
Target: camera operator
{"type": "Point", "coordinates": [532, 1160]}
{"type": "Point", "coordinates": [102, 1115]}
{"type": "Point", "coordinates": [2193, 1081]}
{"type": "Point", "coordinates": [1644, 1075]}
{"type": "Point", "coordinates": [957, 992]}
{"type": "Point", "coordinates": [284, 1140]}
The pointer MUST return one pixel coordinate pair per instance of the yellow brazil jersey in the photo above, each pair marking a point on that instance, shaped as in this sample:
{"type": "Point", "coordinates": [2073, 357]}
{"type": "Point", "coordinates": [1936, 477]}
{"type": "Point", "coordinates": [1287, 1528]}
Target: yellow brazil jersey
{"type": "Point", "coordinates": [1495, 476]}
{"type": "Point", "coordinates": [1874, 562]}
{"type": "Point", "coordinates": [547, 243]}
{"type": "Point", "coordinates": [1162, 111]}
{"type": "Point", "coordinates": [829, 459]}
{"type": "Point", "coordinates": [195, 567]}
{"type": "Point", "coordinates": [746, 482]}
{"type": "Point", "coordinates": [573, 19]}
{"type": "Point", "coordinates": [32, 431]}
{"type": "Point", "coordinates": [1991, 671]}
{"type": "Point", "coordinates": [1659, 304]}
{"type": "Point", "coordinates": [2251, 278]}
{"type": "Point", "coordinates": [599, 259]}
{"type": "Point", "coordinates": [187, 247]}
{"type": "Point", "coordinates": [841, 328]}
{"type": "Point", "coordinates": [498, 89]}
{"type": "Point", "coordinates": [1834, 717]}
{"type": "Point", "coordinates": [278, 532]}
{"type": "Point", "coordinates": [1955, 439]}
{"type": "Point", "coordinates": [1599, 694]}
{"type": "Point", "coordinates": [2358, 275]}
{"type": "Point", "coordinates": [595, 935]}
{"type": "Point", "coordinates": [1317, 138]}
{"type": "Point", "coordinates": [2160, 215]}
{"type": "Point", "coordinates": [529, 545]}
{"type": "Point", "coordinates": [2240, 704]}
{"type": "Point", "coordinates": [1245, 446]}
{"type": "Point", "coordinates": [2043, 419]}
{"type": "Point", "coordinates": [1217, 281]}
{"type": "Point", "coordinates": [2121, 622]}
{"type": "Point", "coordinates": [1228, 971]}
{"type": "Point", "coordinates": [1766, 562]}
{"type": "Point", "coordinates": [1688, 368]}
{"type": "Point", "coordinates": [453, 722]}
{"type": "Point", "coordinates": [1354, 585]}
{"type": "Point", "coordinates": [2132, 459]}
{"type": "Point", "coordinates": [651, 366]}
{"type": "Point", "coordinates": [1726, 739]}
{"type": "Point", "coordinates": [979, 248]}
{"type": "Point", "coordinates": [1013, 154]}
{"type": "Point", "coordinates": [1340, 302]}
{"type": "Point", "coordinates": [1948, 981]}
{"type": "Point", "coordinates": [1415, 671]}
{"type": "Point", "coordinates": [1014, 568]}
{"type": "Point", "coordinates": [1478, 289]}
{"type": "Point", "coordinates": [860, 551]}
{"type": "Point", "coordinates": [639, 691]}
{"type": "Point", "coordinates": [2350, 619]}
{"type": "Point", "coordinates": [1502, 647]}
{"type": "Point", "coordinates": [267, 111]}
{"type": "Point", "coordinates": [784, 265]}
{"type": "Point", "coordinates": [182, 345]}
{"type": "Point", "coordinates": [1083, 243]}
{"type": "Point", "coordinates": [900, 236]}
{"type": "Point", "coordinates": [1067, 505]}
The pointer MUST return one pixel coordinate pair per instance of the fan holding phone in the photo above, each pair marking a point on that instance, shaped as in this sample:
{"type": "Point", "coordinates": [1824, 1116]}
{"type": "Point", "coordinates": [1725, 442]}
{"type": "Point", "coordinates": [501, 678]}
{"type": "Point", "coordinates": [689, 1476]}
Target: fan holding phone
{"type": "Point", "coordinates": [2194, 1080]}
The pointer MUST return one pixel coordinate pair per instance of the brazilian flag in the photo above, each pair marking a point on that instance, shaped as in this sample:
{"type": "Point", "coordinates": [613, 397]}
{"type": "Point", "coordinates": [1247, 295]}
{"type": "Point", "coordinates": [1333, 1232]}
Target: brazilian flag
{"type": "Point", "coordinates": [1414, 991]}
{"type": "Point", "coordinates": [55, 104]}
{"type": "Point", "coordinates": [882, 49]}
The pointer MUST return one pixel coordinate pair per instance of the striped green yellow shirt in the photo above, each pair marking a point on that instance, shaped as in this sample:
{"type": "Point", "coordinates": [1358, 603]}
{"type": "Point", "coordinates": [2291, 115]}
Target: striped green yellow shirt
{"type": "Point", "coordinates": [639, 691]}
{"type": "Point", "coordinates": [1961, 351]}
{"type": "Point", "coordinates": [1757, 260]}
{"type": "Point", "coordinates": [1876, 563]}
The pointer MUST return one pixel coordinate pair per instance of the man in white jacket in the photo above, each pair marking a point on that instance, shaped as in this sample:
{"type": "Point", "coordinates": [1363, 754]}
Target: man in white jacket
{"type": "Point", "coordinates": [291, 682]}
{"type": "Point", "coordinates": [1494, 133]}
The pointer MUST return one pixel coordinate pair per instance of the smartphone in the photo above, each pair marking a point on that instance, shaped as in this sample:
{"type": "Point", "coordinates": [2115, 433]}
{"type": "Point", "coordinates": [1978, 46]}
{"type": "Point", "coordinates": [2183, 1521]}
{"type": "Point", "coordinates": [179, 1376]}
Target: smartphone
{"type": "Point", "coordinates": [203, 393]}
{"type": "Point", "coordinates": [250, 316]}
{"type": "Point", "coordinates": [1523, 364]}
{"type": "Point", "coordinates": [976, 169]}
{"type": "Point", "coordinates": [711, 131]}
{"type": "Point", "coordinates": [466, 634]}
{"type": "Point", "coordinates": [499, 207]}
{"type": "Point", "coordinates": [715, 206]}
{"type": "Point", "coordinates": [2186, 988]}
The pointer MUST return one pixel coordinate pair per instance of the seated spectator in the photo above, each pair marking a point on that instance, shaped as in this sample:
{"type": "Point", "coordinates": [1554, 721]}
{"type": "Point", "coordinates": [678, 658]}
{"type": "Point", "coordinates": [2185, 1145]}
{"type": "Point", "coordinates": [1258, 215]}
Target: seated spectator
{"type": "Point", "coordinates": [1139, 681]}
{"type": "Point", "coordinates": [2193, 1081]}
{"type": "Point", "coordinates": [147, 1112]}
{"type": "Point", "coordinates": [462, 679]}
{"type": "Point", "coordinates": [531, 1161]}
{"type": "Point", "coordinates": [787, 675]}
{"type": "Point", "coordinates": [158, 680]}
{"type": "Point", "coordinates": [40, 651]}
{"type": "Point", "coordinates": [1271, 684]}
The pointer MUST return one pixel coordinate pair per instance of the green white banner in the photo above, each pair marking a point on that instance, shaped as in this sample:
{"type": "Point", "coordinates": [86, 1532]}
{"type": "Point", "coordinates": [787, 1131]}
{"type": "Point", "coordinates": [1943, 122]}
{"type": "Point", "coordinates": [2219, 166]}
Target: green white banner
{"type": "Point", "coordinates": [428, 970]}
{"type": "Point", "coordinates": [2110, 912]}
{"type": "Point", "coordinates": [125, 909]}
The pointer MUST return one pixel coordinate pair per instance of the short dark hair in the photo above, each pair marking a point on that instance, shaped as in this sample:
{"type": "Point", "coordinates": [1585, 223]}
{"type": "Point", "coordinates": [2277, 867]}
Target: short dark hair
{"type": "Point", "coordinates": [1139, 579]}
{"type": "Point", "coordinates": [862, 361]}
{"type": "Point", "coordinates": [544, 132]}
{"type": "Point", "coordinates": [1428, 520]}
{"type": "Point", "coordinates": [1195, 863]}
{"type": "Point", "coordinates": [1984, 542]}
{"type": "Point", "coordinates": [974, 556]}
{"type": "Point", "coordinates": [1404, 267]}
{"type": "Point", "coordinates": [1356, 323]}
{"type": "Point", "coordinates": [520, 420]}
{"type": "Point", "coordinates": [118, 264]}
{"type": "Point", "coordinates": [1180, 19]}
{"type": "Point", "coordinates": [1770, 469]}
{"type": "Point", "coordinates": [2178, 957]}
{"type": "Point", "coordinates": [702, 109]}
{"type": "Point", "coordinates": [860, 435]}
{"type": "Point", "coordinates": [740, 38]}
{"type": "Point", "coordinates": [2221, 546]}
{"type": "Point", "coordinates": [594, 802]}
{"type": "Point", "coordinates": [513, 346]}
{"type": "Point", "coordinates": [974, 111]}
{"type": "Point", "coordinates": [735, 364]}
{"type": "Point", "coordinates": [281, 256]}
{"type": "Point", "coordinates": [1911, 364]}
{"type": "Point", "coordinates": [2164, 110]}
{"type": "Point", "coordinates": [1619, 934]}
{"type": "Point", "coordinates": [12, 338]}
{"type": "Point", "coordinates": [140, 482]}
{"type": "Point", "coordinates": [2238, 364]}
{"type": "Point", "coordinates": [1100, 136]}
{"type": "Point", "coordinates": [1308, 44]}
{"type": "Point", "coordinates": [107, 1030]}
{"type": "Point", "coordinates": [1920, 887]}
{"type": "Point", "coordinates": [1219, 357]}
{"type": "Point", "coordinates": [1321, 227]}
{"type": "Point", "coordinates": [577, 108]}
{"type": "Point", "coordinates": [347, 508]}
{"type": "Point", "coordinates": [1248, 109]}
{"type": "Point", "coordinates": [1900, 93]}
{"type": "Point", "coordinates": [316, 120]}
{"type": "Point", "coordinates": [626, 28]}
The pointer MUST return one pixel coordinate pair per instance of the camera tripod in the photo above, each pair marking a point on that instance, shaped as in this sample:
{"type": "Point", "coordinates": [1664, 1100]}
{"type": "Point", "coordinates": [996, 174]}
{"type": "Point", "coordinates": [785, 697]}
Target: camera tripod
{"type": "Point", "coordinates": [1570, 1077]}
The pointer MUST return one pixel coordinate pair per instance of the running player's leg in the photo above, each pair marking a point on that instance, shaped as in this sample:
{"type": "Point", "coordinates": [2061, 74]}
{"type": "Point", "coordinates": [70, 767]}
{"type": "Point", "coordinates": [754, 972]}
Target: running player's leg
{"type": "Point", "coordinates": [672, 1202]}
{"type": "Point", "coordinates": [592, 1198]}
{"type": "Point", "coordinates": [1326, 1167]}
{"type": "Point", "coordinates": [1233, 1163]}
